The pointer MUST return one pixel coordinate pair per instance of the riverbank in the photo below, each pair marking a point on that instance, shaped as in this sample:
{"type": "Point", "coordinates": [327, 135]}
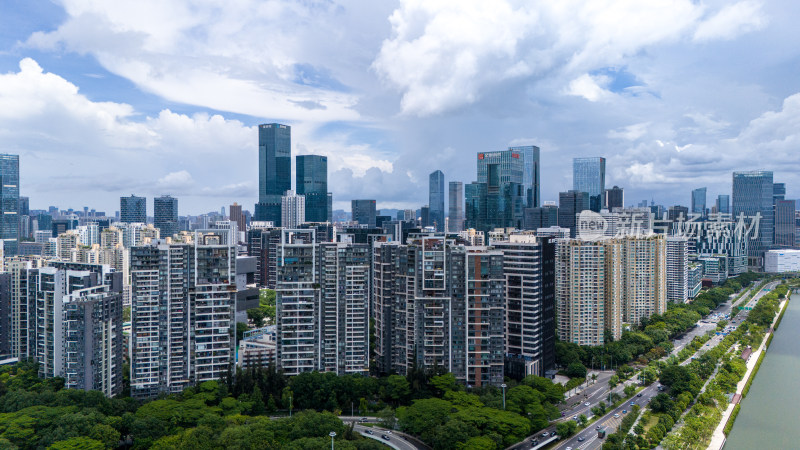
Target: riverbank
{"type": "Point", "coordinates": [719, 437]}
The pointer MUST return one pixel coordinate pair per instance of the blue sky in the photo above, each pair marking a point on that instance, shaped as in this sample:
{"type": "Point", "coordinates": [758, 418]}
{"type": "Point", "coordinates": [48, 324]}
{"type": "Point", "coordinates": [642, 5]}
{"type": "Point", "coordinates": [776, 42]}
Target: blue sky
{"type": "Point", "coordinates": [104, 99]}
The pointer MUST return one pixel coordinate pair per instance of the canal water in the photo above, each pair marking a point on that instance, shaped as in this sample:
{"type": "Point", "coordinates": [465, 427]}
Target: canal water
{"type": "Point", "coordinates": [770, 415]}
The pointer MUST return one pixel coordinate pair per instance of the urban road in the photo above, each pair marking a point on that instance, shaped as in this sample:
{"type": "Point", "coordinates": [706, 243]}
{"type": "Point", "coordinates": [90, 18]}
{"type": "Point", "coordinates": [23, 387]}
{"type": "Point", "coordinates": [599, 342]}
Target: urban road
{"type": "Point", "coordinates": [587, 438]}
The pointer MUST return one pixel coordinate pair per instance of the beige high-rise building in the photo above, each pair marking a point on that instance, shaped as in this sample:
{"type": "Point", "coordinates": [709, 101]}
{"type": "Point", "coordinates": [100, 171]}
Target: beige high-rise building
{"type": "Point", "coordinates": [606, 284]}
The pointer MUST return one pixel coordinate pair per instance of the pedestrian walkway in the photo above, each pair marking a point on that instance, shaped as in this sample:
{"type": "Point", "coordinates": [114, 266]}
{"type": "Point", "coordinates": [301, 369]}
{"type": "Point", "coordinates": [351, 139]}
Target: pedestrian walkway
{"type": "Point", "coordinates": [718, 438]}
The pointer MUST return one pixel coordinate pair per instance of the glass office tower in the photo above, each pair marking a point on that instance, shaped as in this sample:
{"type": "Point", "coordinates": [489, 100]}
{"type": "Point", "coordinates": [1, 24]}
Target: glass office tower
{"type": "Point", "coordinates": [436, 200]}
{"type": "Point", "coordinates": [311, 180]}
{"type": "Point", "coordinates": [133, 209]}
{"type": "Point", "coordinates": [274, 170]}
{"type": "Point", "coordinates": [699, 201]}
{"type": "Point", "coordinates": [9, 203]}
{"type": "Point", "coordinates": [165, 215]}
{"type": "Point", "coordinates": [752, 195]}
{"type": "Point", "coordinates": [530, 177]}
{"type": "Point", "coordinates": [589, 175]}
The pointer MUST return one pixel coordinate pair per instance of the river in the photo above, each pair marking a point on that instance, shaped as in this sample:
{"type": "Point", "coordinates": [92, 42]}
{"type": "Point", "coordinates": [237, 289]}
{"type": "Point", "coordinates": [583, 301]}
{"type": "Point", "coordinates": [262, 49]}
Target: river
{"type": "Point", "coordinates": [770, 415]}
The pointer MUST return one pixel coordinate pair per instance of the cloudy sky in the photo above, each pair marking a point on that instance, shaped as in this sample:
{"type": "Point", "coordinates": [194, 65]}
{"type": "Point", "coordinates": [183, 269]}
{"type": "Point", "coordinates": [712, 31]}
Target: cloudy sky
{"type": "Point", "coordinates": [102, 99]}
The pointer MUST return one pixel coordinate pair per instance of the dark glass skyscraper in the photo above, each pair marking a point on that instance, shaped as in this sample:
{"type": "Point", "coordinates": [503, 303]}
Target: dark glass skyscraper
{"type": "Point", "coordinates": [589, 175]}
{"type": "Point", "coordinates": [778, 192]}
{"type": "Point", "coordinates": [699, 201]}
{"type": "Point", "coordinates": [9, 203]}
{"type": "Point", "coordinates": [312, 181]}
{"type": "Point", "coordinates": [436, 200]}
{"type": "Point", "coordinates": [456, 206]}
{"type": "Point", "coordinates": [530, 176]}
{"type": "Point", "coordinates": [165, 215]}
{"type": "Point", "coordinates": [274, 170]}
{"type": "Point", "coordinates": [364, 212]}
{"type": "Point", "coordinates": [784, 223]}
{"type": "Point", "coordinates": [570, 204]}
{"type": "Point", "coordinates": [133, 209]}
{"type": "Point", "coordinates": [615, 198]}
{"type": "Point", "coordinates": [752, 195]}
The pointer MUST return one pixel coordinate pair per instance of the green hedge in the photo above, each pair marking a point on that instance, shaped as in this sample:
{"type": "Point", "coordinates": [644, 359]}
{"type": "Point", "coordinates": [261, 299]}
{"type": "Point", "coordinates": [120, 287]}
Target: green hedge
{"type": "Point", "coordinates": [731, 419]}
{"type": "Point", "coordinates": [753, 375]}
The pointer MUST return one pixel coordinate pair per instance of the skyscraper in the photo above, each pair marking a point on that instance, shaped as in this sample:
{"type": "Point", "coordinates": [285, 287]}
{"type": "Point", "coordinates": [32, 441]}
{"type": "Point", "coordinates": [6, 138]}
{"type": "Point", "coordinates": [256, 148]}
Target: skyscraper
{"type": "Point", "coordinates": [570, 204]}
{"type": "Point", "coordinates": [236, 215]}
{"type": "Point", "coordinates": [312, 182]}
{"type": "Point", "coordinates": [9, 203]}
{"type": "Point", "coordinates": [165, 215]}
{"type": "Point", "coordinates": [589, 175]}
{"type": "Point", "coordinates": [133, 209]}
{"type": "Point", "coordinates": [545, 216]}
{"type": "Point", "coordinates": [699, 201]}
{"type": "Point", "coordinates": [363, 212]}
{"type": "Point", "coordinates": [274, 170]}
{"type": "Point", "coordinates": [530, 176]}
{"type": "Point", "coordinates": [497, 199]}
{"type": "Point", "coordinates": [778, 191]}
{"type": "Point", "coordinates": [456, 206]}
{"type": "Point", "coordinates": [615, 198]}
{"type": "Point", "coordinates": [753, 195]}
{"type": "Point", "coordinates": [293, 210]}
{"type": "Point", "coordinates": [436, 199]}
{"type": "Point", "coordinates": [677, 269]}
{"type": "Point", "coordinates": [784, 223]}
{"type": "Point", "coordinates": [724, 204]}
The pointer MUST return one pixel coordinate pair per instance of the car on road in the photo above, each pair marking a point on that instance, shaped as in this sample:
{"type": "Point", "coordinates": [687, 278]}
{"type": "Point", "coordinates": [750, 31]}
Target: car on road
{"type": "Point", "coordinates": [581, 439]}
{"type": "Point", "coordinates": [633, 403]}
{"type": "Point", "coordinates": [545, 434]}
{"type": "Point", "coordinates": [616, 416]}
{"type": "Point", "coordinates": [597, 428]}
{"type": "Point", "coordinates": [386, 437]}
{"type": "Point", "coordinates": [574, 417]}
{"type": "Point", "coordinates": [639, 395]}
{"type": "Point", "coordinates": [370, 432]}
{"type": "Point", "coordinates": [364, 419]}
{"type": "Point", "coordinates": [587, 404]}
{"type": "Point", "coordinates": [624, 411]}
{"type": "Point", "coordinates": [562, 414]}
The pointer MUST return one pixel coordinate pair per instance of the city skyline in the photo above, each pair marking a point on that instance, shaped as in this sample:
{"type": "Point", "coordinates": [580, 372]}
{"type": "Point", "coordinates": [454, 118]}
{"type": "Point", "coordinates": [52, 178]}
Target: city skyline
{"type": "Point", "coordinates": [620, 96]}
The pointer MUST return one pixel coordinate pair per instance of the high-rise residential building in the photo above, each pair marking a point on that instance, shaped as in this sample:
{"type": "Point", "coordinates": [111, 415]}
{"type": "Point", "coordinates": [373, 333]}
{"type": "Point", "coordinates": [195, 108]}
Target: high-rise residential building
{"type": "Point", "coordinates": [530, 176]}
{"type": "Point", "coordinates": [456, 206]}
{"type": "Point", "coordinates": [274, 170]}
{"type": "Point", "coordinates": [677, 269]}
{"type": "Point", "coordinates": [600, 285]}
{"type": "Point", "coordinates": [529, 268]}
{"type": "Point", "coordinates": [165, 215]}
{"type": "Point", "coordinates": [436, 200]}
{"type": "Point", "coordinates": [364, 212]}
{"type": "Point", "coordinates": [264, 245]}
{"type": "Point", "coordinates": [68, 318]}
{"type": "Point", "coordinates": [699, 201]}
{"type": "Point", "coordinates": [724, 204]}
{"type": "Point", "coordinates": [427, 312]}
{"type": "Point", "coordinates": [9, 203]}
{"type": "Point", "coordinates": [784, 223]}
{"type": "Point", "coordinates": [752, 197]}
{"type": "Point", "coordinates": [498, 198]}
{"type": "Point", "coordinates": [312, 182]}
{"type": "Point", "coordinates": [545, 216]}
{"type": "Point", "coordinates": [182, 314]}
{"type": "Point", "coordinates": [589, 175]}
{"type": "Point", "coordinates": [778, 192]}
{"type": "Point", "coordinates": [236, 215]}
{"type": "Point", "coordinates": [344, 279]}
{"type": "Point", "coordinates": [615, 198]}
{"type": "Point", "coordinates": [293, 210]}
{"type": "Point", "coordinates": [570, 204]}
{"type": "Point", "coordinates": [133, 209]}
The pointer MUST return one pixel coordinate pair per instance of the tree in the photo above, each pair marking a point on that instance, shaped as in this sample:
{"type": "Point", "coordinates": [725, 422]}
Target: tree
{"type": "Point", "coordinates": [241, 327]}
{"type": "Point", "coordinates": [444, 383]}
{"type": "Point", "coordinates": [576, 370]}
{"type": "Point", "coordinates": [396, 388]}
{"type": "Point", "coordinates": [629, 390]}
{"type": "Point", "coordinates": [613, 381]}
{"type": "Point", "coordinates": [78, 443]}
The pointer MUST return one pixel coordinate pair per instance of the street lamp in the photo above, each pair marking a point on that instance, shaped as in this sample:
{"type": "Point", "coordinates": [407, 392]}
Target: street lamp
{"type": "Point", "coordinates": [504, 395]}
{"type": "Point", "coordinates": [332, 435]}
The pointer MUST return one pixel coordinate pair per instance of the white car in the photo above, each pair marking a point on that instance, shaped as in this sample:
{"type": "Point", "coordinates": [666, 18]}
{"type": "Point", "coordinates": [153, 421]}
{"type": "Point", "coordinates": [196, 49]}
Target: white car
{"type": "Point", "coordinates": [587, 404]}
{"type": "Point", "coordinates": [616, 416]}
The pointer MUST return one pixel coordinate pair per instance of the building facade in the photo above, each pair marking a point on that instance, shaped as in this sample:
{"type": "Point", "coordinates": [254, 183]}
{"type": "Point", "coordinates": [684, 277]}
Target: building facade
{"type": "Point", "coordinates": [589, 175]}
{"type": "Point", "coordinates": [753, 196]}
{"type": "Point", "coordinates": [293, 209]}
{"type": "Point", "coordinates": [133, 209]}
{"type": "Point", "coordinates": [436, 200]}
{"type": "Point", "coordinates": [165, 215]}
{"type": "Point", "coordinates": [274, 170]}
{"type": "Point", "coordinates": [312, 182]}
{"type": "Point", "coordinates": [364, 212]}
{"type": "Point", "coordinates": [456, 207]}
